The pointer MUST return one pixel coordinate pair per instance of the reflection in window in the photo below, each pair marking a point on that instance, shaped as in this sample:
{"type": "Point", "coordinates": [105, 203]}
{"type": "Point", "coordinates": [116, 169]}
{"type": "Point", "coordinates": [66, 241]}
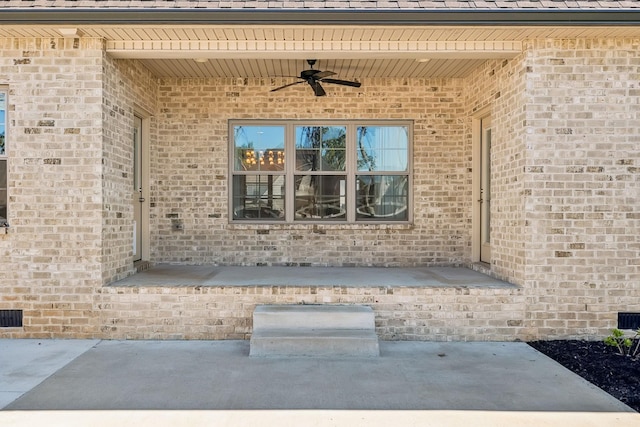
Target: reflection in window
{"type": "Point", "coordinates": [3, 158]}
{"type": "Point", "coordinates": [320, 197]}
{"type": "Point", "coordinates": [3, 192]}
{"type": "Point", "coordinates": [382, 148]}
{"type": "Point", "coordinates": [3, 120]}
{"type": "Point", "coordinates": [258, 197]}
{"type": "Point", "coordinates": [382, 197]}
{"type": "Point", "coordinates": [335, 171]}
{"type": "Point", "coordinates": [320, 148]}
{"type": "Point", "coordinates": [259, 148]}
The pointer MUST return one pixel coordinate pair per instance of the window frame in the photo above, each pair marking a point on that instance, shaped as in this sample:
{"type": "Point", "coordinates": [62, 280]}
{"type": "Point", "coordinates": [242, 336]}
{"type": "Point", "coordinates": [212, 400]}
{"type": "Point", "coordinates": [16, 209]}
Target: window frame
{"type": "Point", "coordinates": [290, 172]}
{"type": "Point", "coordinates": [5, 158]}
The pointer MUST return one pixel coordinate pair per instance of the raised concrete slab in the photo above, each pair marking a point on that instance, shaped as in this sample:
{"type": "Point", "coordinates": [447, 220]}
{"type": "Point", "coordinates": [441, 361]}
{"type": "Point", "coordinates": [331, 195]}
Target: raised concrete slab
{"type": "Point", "coordinates": [313, 331]}
{"type": "Point", "coordinates": [208, 275]}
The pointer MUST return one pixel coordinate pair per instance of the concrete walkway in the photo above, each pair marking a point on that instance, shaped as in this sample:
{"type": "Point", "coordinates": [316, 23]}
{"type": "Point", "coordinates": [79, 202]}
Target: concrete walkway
{"type": "Point", "coordinates": [26, 363]}
{"type": "Point", "coordinates": [203, 382]}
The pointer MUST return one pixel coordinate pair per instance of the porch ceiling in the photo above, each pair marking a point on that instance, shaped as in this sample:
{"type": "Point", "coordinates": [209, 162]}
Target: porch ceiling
{"type": "Point", "coordinates": [352, 51]}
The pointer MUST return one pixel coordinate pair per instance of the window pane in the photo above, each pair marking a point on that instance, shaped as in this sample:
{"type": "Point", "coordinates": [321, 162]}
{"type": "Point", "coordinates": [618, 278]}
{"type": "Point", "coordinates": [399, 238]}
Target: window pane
{"type": "Point", "coordinates": [3, 192]}
{"type": "Point", "coordinates": [374, 160]}
{"type": "Point", "coordinates": [382, 198]}
{"type": "Point", "coordinates": [320, 197]}
{"type": "Point", "coordinates": [382, 148]}
{"type": "Point", "coordinates": [258, 148]}
{"type": "Point", "coordinates": [258, 196]}
{"type": "Point", "coordinates": [320, 148]}
{"type": "Point", "coordinates": [3, 121]}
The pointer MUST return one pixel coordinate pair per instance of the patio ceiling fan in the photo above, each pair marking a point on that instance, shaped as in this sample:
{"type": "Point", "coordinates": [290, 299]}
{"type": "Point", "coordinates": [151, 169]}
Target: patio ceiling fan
{"type": "Point", "coordinates": [314, 77]}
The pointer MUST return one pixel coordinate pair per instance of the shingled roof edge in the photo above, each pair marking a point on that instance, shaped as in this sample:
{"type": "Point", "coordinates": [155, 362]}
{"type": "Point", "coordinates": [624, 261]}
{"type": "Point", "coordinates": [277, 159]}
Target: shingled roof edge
{"type": "Point", "coordinates": [456, 17]}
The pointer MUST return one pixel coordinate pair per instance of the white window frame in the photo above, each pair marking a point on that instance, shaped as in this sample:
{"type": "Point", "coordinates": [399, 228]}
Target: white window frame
{"type": "Point", "coordinates": [351, 170]}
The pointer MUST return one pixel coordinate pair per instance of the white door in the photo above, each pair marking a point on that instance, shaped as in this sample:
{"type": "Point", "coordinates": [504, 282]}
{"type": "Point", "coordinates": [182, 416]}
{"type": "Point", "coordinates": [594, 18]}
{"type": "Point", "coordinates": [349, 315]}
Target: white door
{"type": "Point", "coordinates": [138, 191]}
{"type": "Point", "coordinates": [485, 190]}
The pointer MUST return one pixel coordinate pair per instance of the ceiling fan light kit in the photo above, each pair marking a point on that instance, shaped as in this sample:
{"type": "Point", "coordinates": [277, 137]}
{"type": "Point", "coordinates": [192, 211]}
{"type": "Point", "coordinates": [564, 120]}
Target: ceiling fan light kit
{"type": "Point", "coordinates": [313, 78]}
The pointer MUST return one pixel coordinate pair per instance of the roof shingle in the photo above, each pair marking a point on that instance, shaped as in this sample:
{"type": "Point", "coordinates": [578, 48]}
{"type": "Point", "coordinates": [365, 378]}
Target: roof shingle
{"type": "Point", "coordinates": [326, 5]}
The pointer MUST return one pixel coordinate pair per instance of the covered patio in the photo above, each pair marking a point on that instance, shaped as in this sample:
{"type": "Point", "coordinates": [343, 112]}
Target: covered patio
{"type": "Point", "coordinates": [207, 275]}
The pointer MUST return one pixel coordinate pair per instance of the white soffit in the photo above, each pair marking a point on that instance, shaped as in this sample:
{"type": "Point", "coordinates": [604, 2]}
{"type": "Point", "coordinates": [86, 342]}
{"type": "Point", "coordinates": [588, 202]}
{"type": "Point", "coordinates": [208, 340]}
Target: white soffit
{"type": "Point", "coordinates": [183, 49]}
{"type": "Point", "coordinates": [352, 52]}
{"type": "Point", "coordinates": [345, 68]}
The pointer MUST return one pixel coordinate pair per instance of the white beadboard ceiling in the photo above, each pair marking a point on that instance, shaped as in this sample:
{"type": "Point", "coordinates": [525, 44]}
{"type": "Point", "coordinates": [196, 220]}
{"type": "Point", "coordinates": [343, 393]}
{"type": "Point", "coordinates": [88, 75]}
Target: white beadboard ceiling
{"type": "Point", "coordinates": [345, 68]}
{"type": "Point", "coordinates": [350, 51]}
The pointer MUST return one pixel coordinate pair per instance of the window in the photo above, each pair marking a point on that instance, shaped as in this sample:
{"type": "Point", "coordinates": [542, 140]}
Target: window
{"type": "Point", "coordinates": [320, 172]}
{"type": "Point", "coordinates": [3, 158]}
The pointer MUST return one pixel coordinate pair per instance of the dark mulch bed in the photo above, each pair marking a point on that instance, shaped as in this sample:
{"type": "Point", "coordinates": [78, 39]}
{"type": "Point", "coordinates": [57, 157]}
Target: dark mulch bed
{"type": "Point", "coordinates": [599, 364]}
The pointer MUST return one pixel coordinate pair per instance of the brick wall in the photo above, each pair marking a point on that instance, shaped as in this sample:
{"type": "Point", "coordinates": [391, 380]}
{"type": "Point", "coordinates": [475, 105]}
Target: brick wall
{"type": "Point", "coordinates": [498, 88]}
{"type": "Point", "coordinates": [191, 171]}
{"type": "Point", "coordinates": [127, 86]}
{"type": "Point", "coordinates": [402, 313]}
{"type": "Point", "coordinates": [583, 181]}
{"type": "Point", "coordinates": [51, 258]}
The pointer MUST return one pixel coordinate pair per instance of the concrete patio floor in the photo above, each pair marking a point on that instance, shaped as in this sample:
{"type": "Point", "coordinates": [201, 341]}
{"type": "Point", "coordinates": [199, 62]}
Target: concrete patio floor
{"type": "Point", "coordinates": [203, 382]}
{"type": "Point", "coordinates": [207, 275]}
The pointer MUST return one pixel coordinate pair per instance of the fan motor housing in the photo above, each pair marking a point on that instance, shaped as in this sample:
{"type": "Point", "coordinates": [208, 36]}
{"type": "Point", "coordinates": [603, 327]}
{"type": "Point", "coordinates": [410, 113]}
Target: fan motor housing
{"type": "Point", "coordinates": [306, 74]}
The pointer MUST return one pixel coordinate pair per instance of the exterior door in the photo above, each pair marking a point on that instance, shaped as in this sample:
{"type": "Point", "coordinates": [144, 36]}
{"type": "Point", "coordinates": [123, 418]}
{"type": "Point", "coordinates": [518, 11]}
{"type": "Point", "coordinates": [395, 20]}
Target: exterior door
{"type": "Point", "coordinates": [138, 191]}
{"type": "Point", "coordinates": [485, 190]}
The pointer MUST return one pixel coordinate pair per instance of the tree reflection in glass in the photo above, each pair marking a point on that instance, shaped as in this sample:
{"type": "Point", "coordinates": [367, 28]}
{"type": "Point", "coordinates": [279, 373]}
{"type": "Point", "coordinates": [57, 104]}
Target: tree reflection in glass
{"type": "Point", "coordinates": [382, 196]}
{"type": "Point", "coordinates": [259, 187]}
{"type": "Point", "coordinates": [320, 185]}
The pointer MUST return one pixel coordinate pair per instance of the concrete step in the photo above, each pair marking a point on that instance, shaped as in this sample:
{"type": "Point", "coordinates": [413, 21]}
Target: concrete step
{"type": "Point", "coordinates": [313, 317]}
{"type": "Point", "coordinates": [314, 343]}
{"type": "Point", "coordinates": [314, 331]}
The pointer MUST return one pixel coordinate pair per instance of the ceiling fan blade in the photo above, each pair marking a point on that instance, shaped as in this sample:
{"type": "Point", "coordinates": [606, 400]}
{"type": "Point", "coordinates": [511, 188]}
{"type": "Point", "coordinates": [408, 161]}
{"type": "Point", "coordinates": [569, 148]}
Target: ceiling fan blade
{"type": "Point", "coordinates": [317, 89]}
{"type": "Point", "coordinates": [322, 74]}
{"type": "Point", "coordinates": [287, 85]}
{"type": "Point", "coordinates": [342, 82]}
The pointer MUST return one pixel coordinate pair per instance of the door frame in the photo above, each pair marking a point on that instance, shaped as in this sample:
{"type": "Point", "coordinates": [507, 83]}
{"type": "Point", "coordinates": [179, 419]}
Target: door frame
{"type": "Point", "coordinates": [145, 151]}
{"type": "Point", "coordinates": [476, 214]}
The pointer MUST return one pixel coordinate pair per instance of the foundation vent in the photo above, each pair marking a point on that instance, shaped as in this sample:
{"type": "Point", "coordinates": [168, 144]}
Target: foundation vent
{"type": "Point", "coordinates": [628, 320]}
{"type": "Point", "coordinates": [10, 318]}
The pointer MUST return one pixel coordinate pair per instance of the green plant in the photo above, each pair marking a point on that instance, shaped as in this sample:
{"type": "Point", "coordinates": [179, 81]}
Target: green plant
{"type": "Point", "coordinates": [627, 346]}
